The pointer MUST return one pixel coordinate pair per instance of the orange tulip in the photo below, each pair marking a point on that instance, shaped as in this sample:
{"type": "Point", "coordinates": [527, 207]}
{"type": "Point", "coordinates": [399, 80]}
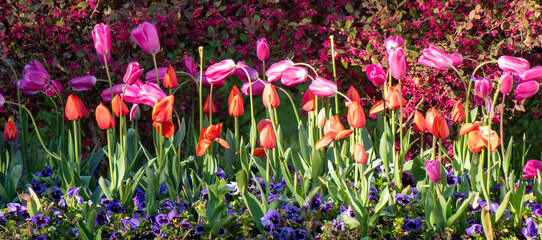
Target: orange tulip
{"type": "Point", "coordinates": [490, 138]}
{"type": "Point", "coordinates": [170, 79]}
{"type": "Point", "coordinates": [429, 119]}
{"type": "Point", "coordinates": [353, 94]}
{"type": "Point", "coordinates": [115, 103]}
{"type": "Point", "coordinates": [393, 99]}
{"type": "Point", "coordinates": [356, 116]}
{"type": "Point", "coordinates": [333, 130]}
{"type": "Point", "coordinates": [235, 101]}
{"type": "Point", "coordinates": [167, 129]}
{"type": "Point", "coordinates": [75, 109]}
{"type": "Point", "coordinates": [458, 113]}
{"type": "Point", "coordinates": [270, 97]}
{"type": "Point", "coordinates": [440, 127]}
{"type": "Point", "coordinates": [419, 121]}
{"type": "Point", "coordinates": [207, 135]}
{"type": "Point", "coordinates": [480, 137]}
{"type": "Point", "coordinates": [162, 110]}
{"type": "Point", "coordinates": [467, 128]}
{"type": "Point", "coordinates": [10, 131]}
{"type": "Point", "coordinates": [360, 155]}
{"type": "Point", "coordinates": [103, 117]}
{"type": "Point", "coordinates": [267, 137]}
{"type": "Point", "coordinates": [259, 152]}
{"type": "Point", "coordinates": [263, 123]}
{"type": "Point", "coordinates": [209, 101]}
{"type": "Point", "coordinates": [309, 101]}
{"type": "Point", "coordinates": [474, 142]}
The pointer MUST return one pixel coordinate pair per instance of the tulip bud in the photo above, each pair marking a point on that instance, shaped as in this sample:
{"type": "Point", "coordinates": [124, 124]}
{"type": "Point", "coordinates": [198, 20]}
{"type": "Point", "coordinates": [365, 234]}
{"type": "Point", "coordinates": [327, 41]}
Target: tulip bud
{"type": "Point", "coordinates": [429, 119]}
{"type": "Point", "coordinates": [397, 63]}
{"type": "Point", "coordinates": [103, 117]}
{"type": "Point", "coordinates": [220, 71]}
{"type": "Point", "coordinates": [263, 123]}
{"type": "Point", "coordinates": [116, 105]}
{"type": "Point", "coordinates": [190, 66]}
{"type": "Point", "coordinates": [393, 42]}
{"type": "Point", "coordinates": [162, 110]}
{"type": "Point", "coordinates": [434, 57]}
{"type": "Point", "coordinates": [75, 109]}
{"type": "Point", "coordinates": [274, 73]}
{"type": "Point", "coordinates": [506, 82]}
{"type": "Point", "coordinates": [102, 39]}
{"type": "Point", "coordinates": [356, 116]}
{"type": "Point", "coordinates": [433, 171]}
{"type": "Point", "coordinates": [54, 88]}
{"type": "Point", "coordinates": [458, 113]}
{"type": "Point", "coordinates": [150, 76]}
{"type": "Point", "coordinates": [483, 87]}
{"type": "Point", "coordinates": [267, 137]}
{"type": "Point", "coordinates": [360, 155]}
{"type": "Point", "coordinates": [146, 36]}
{"type": "Point", "coordinates": [242, 75]}
{"type": "Point", "coordinates": [419, 122]}
{"type": "Point", "coordinates": [323, 87]}
{"type": "Point", "coordinates": [262, 49]}
{"type": "Point", "coordinates": [309, 101]}
{"type": "Point", "coordinates": [533, 74]}
{"type": "Point", "coordinates": [170, 79]}
{"type": "Point", "coordinates": [322, 118]}
{"type": "Point", "coordinates": [209, 105]}
{"type": "Point", "coordinates": [270, 97]}
{"type": "Point", "coordinates": [135, 113]}
{"type": "Point", "coordinates": [376, 74]}
{"type": "Point", "coordinates": [10, 131]}
{"type": "Point", "coordinates": [457, 59]}
{"type": "Point", "coordinates": [294, 75]}
{"type": "Point", "coordinates": [235, 100]}
{"type": "Point", "coordinates": [440, 127]}
{"type": "Point", "coordinates": [132, 73]}
{"type": "Point", "coordinates": [257, 88]}
{"type": "Point", "coordinates": [526, 90]}
{"type": "Point", "coordinates": [531, 168]}
{"type": "Point", "coordinates": [513, 64]}
{"type": "Point", "coordinates": [83, 83]}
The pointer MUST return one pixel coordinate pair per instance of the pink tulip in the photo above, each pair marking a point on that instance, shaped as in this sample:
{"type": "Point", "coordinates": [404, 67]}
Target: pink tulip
{"type": "Point", "coordinates": [134, 112]}
{"type": "Point", "coordinates": [189, 66]}
{"type": "Point", "coordinates": [294, 75]}
{"type": "Point", "coordinates": [457, 59]}
{"type": "Point", "coordinates": [132, 73]}
{"type": "Point", "coordinates": [83, 83]}
{"type": "Point", "coordinates": [262, 49]}
{"type": "Point", "coordinates": [323, 87]}
{"type": "Point", "coordinates": [102, 60]}
{"type": "Point", "coordinates": [434, 57]}
{"type": "Point", "coordinates": [220, 71]}
{"type": "Point", "coordinates": [397, 63]}
{"type": "Point", "coordinates": [2, 100]}
{"type": "Point", "coordinates": [483, 87]}
{"type": "Point", "coordinates": [53, 86]}
{"type": "Point", "coordinates": [531, 168]}
{"type": "Point", "coordinates": [131, 94]}
{"type": "Point", "coordinates": [533, 74]}
{"type": "Point", "coordinates": [150, 76]}
{"type": "Point", "coordinates": [205, 83]}
{"type": "Point", "coordinates": [507, 82]}
{"type": "Point", "coordinates": [102, 39]}
{"type": "Point", "coordinates": [513, 64]}
{"type": "Point", "coordinates": [257, 88]}
{"type": "Point", "coordinates": [274, 73]}
{"type": "Point", "coordinates": [146, 36]}
{"type": "Point", "coordinates": [241, 74]}
{"type": "Point", "coordinates": [376, 74]}
{"type": "Point", "coordinates": [393, 42]}
{"type": "Point", "coordinates": [433, 171]}
{"type": "Point", "coordinates": [526, 90]}
{"type": "Point", "coordinates": [150, 93]}
{"type": "Point", "coordinates": [35, 78]}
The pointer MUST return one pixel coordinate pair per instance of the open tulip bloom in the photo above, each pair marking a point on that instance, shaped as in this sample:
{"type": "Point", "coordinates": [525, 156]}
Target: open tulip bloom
{"type": "Point", "coordinates": [207, 136]}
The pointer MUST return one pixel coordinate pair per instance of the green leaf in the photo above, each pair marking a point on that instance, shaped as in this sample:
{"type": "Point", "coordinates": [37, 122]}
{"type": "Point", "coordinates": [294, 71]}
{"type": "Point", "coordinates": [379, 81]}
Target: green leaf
{"type": "Point", "coordinates": [464, 206]}
{"type": "Point", "coordinates": [255, 209]}
{"type": "Point", "coordinates": [486, 223]}
{"type": "Point", "coordinates": [503, 206]}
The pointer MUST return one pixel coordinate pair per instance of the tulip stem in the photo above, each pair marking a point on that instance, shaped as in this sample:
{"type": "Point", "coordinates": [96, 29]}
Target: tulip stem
{"type": "Point", "coordinates": [237, 133]}
{"type": "Point", "coordinates": [178, 87]}
{"type": "Point", "coordinates": [334, 72]}
{"type": "Point", "coordinates": [200, 50]}
{"type": "Point", "coordinates": [501, 135]}
{"type": "Point", "coordinates": [210, 105]}
{"type": "Point", "coordinates": [433, 148]}
{"type": "Point", "coordinates": [291, 101]}
{"type": "Point", "coordinates": [111, 171]}
{"type": "Point", "coordinates": [76, 148]}
{"type": "Point", "coordinates": [263, 63]}
{"type": "Point", "coordinates": [460, 77]}
{"type": "Point", "coordinates": [156, 70]}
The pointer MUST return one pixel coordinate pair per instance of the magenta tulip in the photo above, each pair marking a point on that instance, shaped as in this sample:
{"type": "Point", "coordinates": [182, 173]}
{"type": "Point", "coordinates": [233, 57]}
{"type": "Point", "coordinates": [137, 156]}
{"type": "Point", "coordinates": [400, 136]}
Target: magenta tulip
{"type": "Point", "coordinates": [220, 71]}
{"type": "Point", "coordinates": [393, 42]}
{"type": "Point", "coordinates": [241, 74]}
{"type": "Point", "coordinates": [457, 59]}
{"type": "Point", "coordinates": [531, 168]}
{"type": "Point", "coordinates": [132, 73]}
{"type": "Point", "coordinates": [150, 76]}
{"type": "Point", "coordinates": [150, 93]}
{"type": "Point", "coordinates": [102, 39]}
{"type": "Point", "coordinates": [397, 63]}
{"type": "Point", "coordinates": [433, 171]}
{"type": "Point", "coordinates": [294, 75]}
{"type": "Point", "coordinates": [483, 87]}
{"type": "Point", "coordinates": [526, 90]}
{"type": "Point", "coordinates": [434, 57]}
{"type": "Point", "coordinates": [134, 112]}
{"type": "Point", "coordinates": [190, 66]}
{"type": "Point", "coordinates": [131, 94]}
{"type": "Point", "coordinates": [54, 88]}
{"type": "Point", "coordinates": [274, 73]}
{"type": "Point", "coordinates": [102, 60]}
{"type": "Point", "coordinates": [2, 100]}
{"type": "Point", "coordinates": [533, 74]}
{"type": "Point", "coordinates": [323, 87]}
{"type": "Point", "coordinates": [262, 49]}
{"type": "Point", "coordinates": [376, 74]}
{"type": "Point", "coordinates": [257, 88]}
{"type": "Point", "coordinates": [83, 83]}
{"type": "Point", "coordinates": [205, 83]}
{"type": "Point", "coordinates": [513, 64]}
{"type": "Point", "coordinates": [146, 36]}
{"type": "Point", "coordinates": [507, 82]}
{"type": "Point", "coordinates": [35, 78]}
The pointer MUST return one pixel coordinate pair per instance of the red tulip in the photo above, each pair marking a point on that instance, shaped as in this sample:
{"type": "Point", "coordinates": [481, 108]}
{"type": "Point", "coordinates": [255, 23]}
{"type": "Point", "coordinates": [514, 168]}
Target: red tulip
{"type": "Point", "coordinates": [360, 155]}
{"type": "Point", "coordinates": [116, 105]}
{"type": "Point", "coordinates": [235, 100]}
{"type": "Point", "coordinates": [356, 116]}
{"type": "Point", "coordinates": [162, 110]}
{"type": "Point", "coordinates": [531, 168]}
{"type": "Point", "coordinates": [309, 101]}
{"type": "Point", "coordinates": [209, 105]}
{"type": "Point", "coordinates": [170, 79]}
{"type": "Point", "coordinates": [270, 97]}
{"type": "Point", "coordinates": [167, 129]}
{"type": "Point", "coordinates": [393, 100]}
{"type": "Point", "coordinates": [419, 122]}
{"type": "Point", "coordinates": [146, 36]}
{"type": "Point", "coordinates": [440, 127]}
{"type": "Point", "coordinates": [353, 94]}
{"type": "Point", "coordinates": [429, 119]}
{"type": "Point", "coordinates": [468, 127]}
{"type": "Point", "coordinates": [458, 113]}
{"type": "Point", "coordinates": [207, 135]}
{"type": "Point", "coordinates": [75, 109]}
{"type": "Point", "coordinates": [10, 131]}
{"type": "Point", "coordinates": [433, 171]}
{"type": "Point", "coordinates": [103, 117]}
{"type": "Point", "coordinates": [267, 137]}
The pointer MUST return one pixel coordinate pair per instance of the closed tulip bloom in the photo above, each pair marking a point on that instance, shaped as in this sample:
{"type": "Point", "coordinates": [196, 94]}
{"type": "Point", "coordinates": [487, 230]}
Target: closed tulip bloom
{"type": "Point", "coordinates": [514, 65]}
{"type": "Point", "coordinates": [162, 110]}
{"type": "Point", "coordinates": [263, 123]}
{"type": "Point", "coordinates": [103, 117]}
{"type": "Point", "coordinates": [267, 137]}
{"type": "Point", "coordinates": [207, 136]}
{"type": "Point", "coordinates": [242, 75]}
{"type": "Point", "coordinates": [132, 73]}
{"type": "Point", "coordinates": [35, 78]}
{"type": "Point", "coordinates": [397, 63]}
{"type": "Point", "coordinates": [209, 105]}
{"type": "Point", "coordinates": [309, 101]}
{"type": "Point", "coordinates": [274, 73]}
{"type": "Point", "coordinates": [356, 116]}
{"type": "Point", "coordinates": [146, 36]}
{"type": "Point", "coordinates": [321, 118]}
{"type": "Point", "coordinates": [433, 171]}
{"type": "Point", "coordinates": [102, 39]}
{"type": "Point", "coordinates": [360, 155]}
{"type": "Point", "coordinates": [440, 127]}
{"type": "Point", "coordinates": [458, 113]}
{"type": "Point", "coordinates": [83, 83]}
{"type": "Point", "coordinates": [294, 75]}
{"type": "Point", "coordinates": [457, 59]}
{"type": "Point", "coordinates": [116, 104]}
{"type": "Point", "coordinates": [376, 74]}
{"type": "Point", "coordinates": [429, 119]}
{"type": "Point", "coordinates": [135, 113]}
{"type": "Point", "coordinates": [190, 66]}
{"type": "Point", "coordinates": [396, 100]}
{"type": "Point", "coordinates": [323, 87]}
{"type": "Point", "coordinates": [531, 168]}
{"type": "Point", "coordinates": [102, 58]}
{"type": "Point", "coordinates": [419, 122]}
{"type": "Point", "coordinates": [170, 79]}
{"type": "Point", "coordinates": [262, 49]}
{"type": "Point", "coordinates": [75, 109]}
{"type": "Point", "coordinates": [235, 100]}
{"type": "Point", "coordinates": [434, 57]}
{"type": "Point", "coordinates": [257, 88]}
{"type": "Point", "coordinates": [393, 42]}
{"type": "Point", "coordinates": [270, 97]}
{"type": "Point", "coordinates": [10, 131]}
{"type": "Point", "coordinates": [533, 74]}
{"type": "Point", "coordinates": [526, 90]}
{"type": "Point", "coordinates": [483, 87]}
{"type": "Point", "coordinates": [54, 88]}
{"type": "Point", "coordinates": [220, 71]}
{"type": "Point", "coordinates": [507, 82]}
{"type": "Point", "coordinates": [353, 95]}
{"type": "Point", "coordinates": [150, 76]}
